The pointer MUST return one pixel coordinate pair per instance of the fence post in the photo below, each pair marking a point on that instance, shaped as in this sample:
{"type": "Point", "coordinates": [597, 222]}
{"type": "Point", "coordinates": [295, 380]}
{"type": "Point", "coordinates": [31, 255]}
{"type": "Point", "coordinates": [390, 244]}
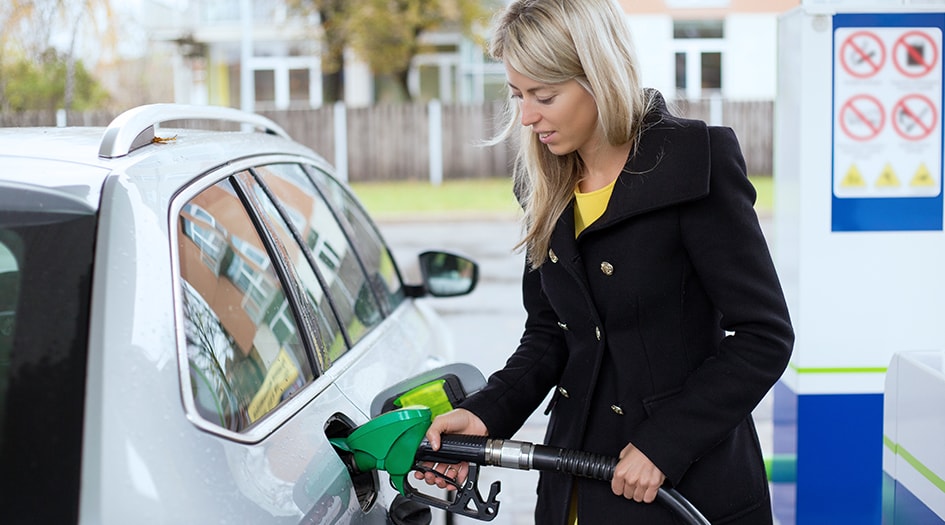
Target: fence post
{"type": "Point", "coordinates": [436, 142]}
{"type": "Point", "coordinates": [715, 110]}
{"type": "Point", "coordinates": [340, 120]}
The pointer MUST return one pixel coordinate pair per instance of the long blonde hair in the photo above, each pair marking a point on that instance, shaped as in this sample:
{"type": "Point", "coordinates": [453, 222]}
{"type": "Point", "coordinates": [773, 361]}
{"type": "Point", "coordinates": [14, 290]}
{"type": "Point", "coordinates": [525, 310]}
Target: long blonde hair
{"type": "Point", "coordinates": [554, 41]}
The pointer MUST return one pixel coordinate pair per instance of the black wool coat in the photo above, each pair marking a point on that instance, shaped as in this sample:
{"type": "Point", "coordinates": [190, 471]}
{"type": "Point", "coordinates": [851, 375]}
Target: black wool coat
{"type": "Point", "coordinates": [663, 325]}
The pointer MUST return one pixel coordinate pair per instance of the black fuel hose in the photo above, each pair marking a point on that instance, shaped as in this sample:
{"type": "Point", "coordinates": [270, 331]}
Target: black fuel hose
{"type": "Point", "coordinates": [521, 455]}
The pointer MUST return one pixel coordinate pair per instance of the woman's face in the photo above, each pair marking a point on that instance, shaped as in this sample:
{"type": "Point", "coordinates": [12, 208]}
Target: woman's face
{"type": "Point", "coordinates": [564, 116]}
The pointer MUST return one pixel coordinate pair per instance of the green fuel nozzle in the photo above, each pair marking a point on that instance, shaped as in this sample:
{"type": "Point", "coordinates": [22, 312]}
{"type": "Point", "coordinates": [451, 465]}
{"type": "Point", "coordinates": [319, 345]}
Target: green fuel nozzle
{"type": "Point", "coordinates": [394, 442]}
{"type": "Point", "coordinates": [388, 442]}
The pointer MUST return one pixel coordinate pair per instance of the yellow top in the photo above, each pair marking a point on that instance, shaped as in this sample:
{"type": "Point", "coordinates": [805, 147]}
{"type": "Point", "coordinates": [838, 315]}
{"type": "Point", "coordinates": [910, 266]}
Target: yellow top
{"type": "Point", "coordinates": [588, 207]}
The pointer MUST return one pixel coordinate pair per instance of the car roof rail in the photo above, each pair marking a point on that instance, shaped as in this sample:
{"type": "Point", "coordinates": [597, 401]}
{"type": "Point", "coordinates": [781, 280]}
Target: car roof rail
{"type": "Point", "coordinates": [135, 128]}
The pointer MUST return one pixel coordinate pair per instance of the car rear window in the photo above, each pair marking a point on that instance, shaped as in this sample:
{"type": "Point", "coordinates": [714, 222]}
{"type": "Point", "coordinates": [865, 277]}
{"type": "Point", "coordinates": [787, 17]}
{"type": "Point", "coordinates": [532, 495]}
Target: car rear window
{"type": "Point", "coordinates": [46, 252]}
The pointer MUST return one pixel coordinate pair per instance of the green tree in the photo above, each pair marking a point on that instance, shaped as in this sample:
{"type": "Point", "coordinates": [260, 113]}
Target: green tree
{"type": "Point", "coordinates": [28, 28]}
{"type": "Point", "coordinates": [42, 85]}
{"type": "Point", "coordinates": [386, 34]}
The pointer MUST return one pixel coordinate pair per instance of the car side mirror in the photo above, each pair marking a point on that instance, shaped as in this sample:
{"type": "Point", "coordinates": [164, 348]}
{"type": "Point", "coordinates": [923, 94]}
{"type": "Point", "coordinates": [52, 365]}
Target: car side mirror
{"type": "Point", "coordinates": [448, 275]}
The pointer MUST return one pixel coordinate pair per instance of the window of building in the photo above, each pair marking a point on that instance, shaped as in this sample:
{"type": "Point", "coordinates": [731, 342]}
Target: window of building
{"type": "Point", "coordinates": [698, 29]}
{"type": "Point", "coordinates": [299, 80]}
{"type": "Point", "coordinates": [711, 70]}
{"type": "Point", "coordinates": [699, 46]}
{"type": "Point", "coordinates": [265, 85]}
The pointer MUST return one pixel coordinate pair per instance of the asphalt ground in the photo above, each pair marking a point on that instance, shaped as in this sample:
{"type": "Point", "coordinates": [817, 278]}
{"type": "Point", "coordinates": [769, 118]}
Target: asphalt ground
{"type": "Point", "coordinates": [487, 324]}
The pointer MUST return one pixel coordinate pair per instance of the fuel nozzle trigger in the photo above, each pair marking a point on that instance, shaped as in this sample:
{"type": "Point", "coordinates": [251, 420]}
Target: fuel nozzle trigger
{"type": "Point", "coordinates": [467, 500]}
{"type": "Point", "coordinates": [394, 442]}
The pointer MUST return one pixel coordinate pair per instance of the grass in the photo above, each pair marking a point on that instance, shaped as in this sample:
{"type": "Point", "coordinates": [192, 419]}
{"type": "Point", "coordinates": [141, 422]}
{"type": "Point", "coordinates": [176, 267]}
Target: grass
{"type": "Point", "coordinates": [471, 197]}
{"type": "Point", "coordinates": [392, 200]}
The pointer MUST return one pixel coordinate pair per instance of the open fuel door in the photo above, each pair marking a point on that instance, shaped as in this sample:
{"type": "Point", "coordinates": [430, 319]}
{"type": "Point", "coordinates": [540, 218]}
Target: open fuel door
{"type": "Point", "coordinates": [439, 390]}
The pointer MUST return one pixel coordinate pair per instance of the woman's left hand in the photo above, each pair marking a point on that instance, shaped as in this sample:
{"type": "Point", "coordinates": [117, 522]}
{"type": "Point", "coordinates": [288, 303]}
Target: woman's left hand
{"type": "Point", "coordinates": [636, 477]}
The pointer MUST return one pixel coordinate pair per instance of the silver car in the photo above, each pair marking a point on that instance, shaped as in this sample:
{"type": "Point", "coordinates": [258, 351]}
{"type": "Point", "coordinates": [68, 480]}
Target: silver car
{"type": "Point", "coordinates": [187, 317]}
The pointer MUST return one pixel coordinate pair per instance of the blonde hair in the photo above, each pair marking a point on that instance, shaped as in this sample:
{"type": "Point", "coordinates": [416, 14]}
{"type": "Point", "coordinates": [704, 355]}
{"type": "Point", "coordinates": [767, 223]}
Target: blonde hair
{"type": "Point", "coordinates": [554, 41]}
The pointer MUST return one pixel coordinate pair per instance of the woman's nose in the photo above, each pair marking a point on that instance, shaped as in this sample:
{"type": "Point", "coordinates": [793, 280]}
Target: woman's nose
{"type": "Point", "coordinates": [529, 115]}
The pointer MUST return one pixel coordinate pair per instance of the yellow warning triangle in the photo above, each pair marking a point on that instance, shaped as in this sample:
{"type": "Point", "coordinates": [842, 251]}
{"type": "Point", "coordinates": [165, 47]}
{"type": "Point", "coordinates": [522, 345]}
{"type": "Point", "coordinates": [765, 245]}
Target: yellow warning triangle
{"type": "Point", "coordinates": [853, 179]}
{"type": "Point", "coordinates": [888, 178]}
{"type": "Point", "coordinates": [923, 177]}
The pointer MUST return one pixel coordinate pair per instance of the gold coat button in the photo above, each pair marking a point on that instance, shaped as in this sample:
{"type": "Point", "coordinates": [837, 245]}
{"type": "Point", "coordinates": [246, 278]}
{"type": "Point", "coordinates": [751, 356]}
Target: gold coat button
{"type": "Point", "coordinates": [617, 410]}
{"type": "Point", "coordinates": [597, 332]}
{"type": "Point", "coordinates": [563, 392]}
{"type": "Point", "coordinates": [607, 268]}
{"type": "Point", "coordinates": [552, 256]}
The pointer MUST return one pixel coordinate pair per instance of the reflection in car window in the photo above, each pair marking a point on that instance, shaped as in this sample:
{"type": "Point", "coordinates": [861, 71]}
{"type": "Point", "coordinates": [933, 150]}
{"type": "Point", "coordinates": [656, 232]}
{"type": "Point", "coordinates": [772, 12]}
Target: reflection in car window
{"type": "Point", "coordinates": [243, 344]}
{"type": "Point", "coordinates": [350, 290]}
{"type": "Point", "coordinates": [331, 343]}
{"type": "Point", "coordinates": [378, 261]}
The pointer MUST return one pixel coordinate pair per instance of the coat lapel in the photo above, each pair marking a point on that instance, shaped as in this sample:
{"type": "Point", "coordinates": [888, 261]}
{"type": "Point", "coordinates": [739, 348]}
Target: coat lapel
{"type": "Point", "coordinates": [564, 245]}
{"type": "Point", "coordinates": [671, 165]}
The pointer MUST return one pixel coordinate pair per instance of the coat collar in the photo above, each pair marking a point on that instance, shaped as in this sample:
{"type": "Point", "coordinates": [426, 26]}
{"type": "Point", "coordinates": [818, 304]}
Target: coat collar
{"type": "Point", "coordinates": [670, 166]}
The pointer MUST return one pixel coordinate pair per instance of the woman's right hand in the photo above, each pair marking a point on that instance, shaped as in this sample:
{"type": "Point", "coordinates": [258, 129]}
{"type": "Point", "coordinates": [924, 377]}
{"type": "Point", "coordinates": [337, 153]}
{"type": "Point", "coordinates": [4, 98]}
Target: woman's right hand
{"type": "Point", "coordinates": [458, 421]}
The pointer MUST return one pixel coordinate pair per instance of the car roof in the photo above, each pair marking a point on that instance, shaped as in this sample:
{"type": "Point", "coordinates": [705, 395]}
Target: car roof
{"type": "Point", "coordinates": [76, 161]}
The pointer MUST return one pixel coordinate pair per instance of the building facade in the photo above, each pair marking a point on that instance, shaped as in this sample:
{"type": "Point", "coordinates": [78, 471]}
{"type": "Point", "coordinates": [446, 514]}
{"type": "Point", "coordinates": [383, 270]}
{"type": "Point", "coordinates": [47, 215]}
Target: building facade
{"type": "Point", "coordinates": [688, 49]}
{"type": "Point", "coordinates": [692, 49]}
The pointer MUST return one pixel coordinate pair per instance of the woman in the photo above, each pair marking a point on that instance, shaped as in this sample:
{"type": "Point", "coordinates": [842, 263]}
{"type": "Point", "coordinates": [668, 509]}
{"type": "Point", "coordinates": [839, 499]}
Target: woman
{"type": "Point", "coordinates": [654, 310]}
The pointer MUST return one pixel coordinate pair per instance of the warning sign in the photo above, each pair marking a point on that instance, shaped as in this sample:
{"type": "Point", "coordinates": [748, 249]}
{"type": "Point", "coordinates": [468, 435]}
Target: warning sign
{"type": "Point", "coordinates": [887, 100]}
{"type": "Point", "coordinates": [888, 178]}
{"type": "Point", "coordinates": [923, 177]}
{"type": "Point", "coordinates": [916, 53]}
{"type": "Point", "coordinates": [853, 179]}
{"type": "Point", "coordinates": [915, 117]}
{"type": "Point", "coordinates": [862, 54]}
{"type": "Point", "coordinates": [862, 117]}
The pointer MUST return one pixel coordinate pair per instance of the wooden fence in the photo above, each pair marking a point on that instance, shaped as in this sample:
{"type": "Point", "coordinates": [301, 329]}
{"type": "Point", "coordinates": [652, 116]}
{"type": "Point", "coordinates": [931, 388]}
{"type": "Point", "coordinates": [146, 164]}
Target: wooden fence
{"type": "Point", "coordinates": [392, 142]}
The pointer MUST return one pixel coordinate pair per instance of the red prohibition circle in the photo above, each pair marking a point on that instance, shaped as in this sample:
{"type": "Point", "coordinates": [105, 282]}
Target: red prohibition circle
{"type": "Point", "coordinates": [850, 45]}
{"type": "Point", "coordinates": [874, 128]}
{"type": "Point", "coordinates": [901, 41]}
{"type": "Point", "coordinates": [925, 130]}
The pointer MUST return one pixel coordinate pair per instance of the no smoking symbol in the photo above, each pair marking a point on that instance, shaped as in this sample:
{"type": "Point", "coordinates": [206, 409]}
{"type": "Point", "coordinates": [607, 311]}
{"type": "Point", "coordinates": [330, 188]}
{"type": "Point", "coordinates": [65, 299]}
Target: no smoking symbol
{"type": "Point", "coordinates": [862, 54]}
{"type": "Point", "coordinates": [914, 117]}
{"type": "Point", "coordinates": [915, 54]}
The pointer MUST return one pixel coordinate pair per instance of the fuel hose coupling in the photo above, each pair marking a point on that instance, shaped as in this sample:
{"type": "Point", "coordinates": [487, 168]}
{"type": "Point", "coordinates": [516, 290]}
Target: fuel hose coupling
{"type": "Point", "coordinates": [509, 454]}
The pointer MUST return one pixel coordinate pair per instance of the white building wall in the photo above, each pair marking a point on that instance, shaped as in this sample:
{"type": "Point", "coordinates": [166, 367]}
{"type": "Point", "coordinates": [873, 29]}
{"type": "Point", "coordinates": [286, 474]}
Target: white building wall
{"type": "Point", "coordinates": [749, 54]}
{"type": "Point", "coordinates": [749, 64]}
{"type": "Point", "coordinates": [653, 39]}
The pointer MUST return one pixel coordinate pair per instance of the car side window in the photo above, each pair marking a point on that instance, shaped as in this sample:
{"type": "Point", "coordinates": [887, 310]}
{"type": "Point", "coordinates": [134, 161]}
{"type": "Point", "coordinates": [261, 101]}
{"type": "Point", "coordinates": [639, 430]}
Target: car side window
{"type": "Point", "coordinates": [244, 348]}
{"type": "Point", "coordinates": [330, 248]}
{"type": "Point", "coordinates": [9, 294]}
{"type": "Point", "coordinates": [378, 261]}
{"type": "Point", "coordinates": [331, 343]}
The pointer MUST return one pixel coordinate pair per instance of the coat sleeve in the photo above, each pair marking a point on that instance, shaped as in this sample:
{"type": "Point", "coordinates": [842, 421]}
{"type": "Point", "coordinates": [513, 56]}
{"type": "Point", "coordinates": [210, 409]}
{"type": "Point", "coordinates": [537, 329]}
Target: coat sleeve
{"type": "Point", "coordinates": [514, 392]}
{"type": "Point", "coordinates": [727, 249]}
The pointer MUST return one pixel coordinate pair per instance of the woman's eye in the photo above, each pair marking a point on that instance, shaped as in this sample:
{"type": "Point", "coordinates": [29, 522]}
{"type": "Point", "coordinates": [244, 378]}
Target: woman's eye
{"type": "Point", "coordinates": [545, 101]}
